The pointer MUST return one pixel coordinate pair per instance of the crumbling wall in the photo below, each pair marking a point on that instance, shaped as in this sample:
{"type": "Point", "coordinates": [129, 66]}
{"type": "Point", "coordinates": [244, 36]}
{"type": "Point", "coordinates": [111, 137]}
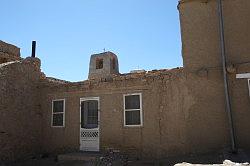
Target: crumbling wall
{"type": "Point", "coordinates": [183, 113]}
{"type": "Point", "coordinates": [8, 52]}
{"type": "Point", "coordinates": [20, 118]}
{"type": "Point", "coordinates": [183, 109]}
{"type": "Point", "coordinates": [144, 141]}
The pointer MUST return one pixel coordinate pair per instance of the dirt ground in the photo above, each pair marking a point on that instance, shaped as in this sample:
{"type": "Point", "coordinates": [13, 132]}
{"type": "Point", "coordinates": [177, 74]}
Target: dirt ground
{"type": "Point", "coordinates": [117, 159]}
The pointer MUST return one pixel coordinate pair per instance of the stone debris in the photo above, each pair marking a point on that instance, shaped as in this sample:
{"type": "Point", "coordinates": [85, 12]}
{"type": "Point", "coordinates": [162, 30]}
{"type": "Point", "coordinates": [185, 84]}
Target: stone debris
{"type": "Point", "coordinates": [225, 163]}
{"type": "Point", "coordinates": [166, 74]}
{"type": "Point", "coordinates": [112, 157]}
{"type": "Point", "coordinates": [55, 80]}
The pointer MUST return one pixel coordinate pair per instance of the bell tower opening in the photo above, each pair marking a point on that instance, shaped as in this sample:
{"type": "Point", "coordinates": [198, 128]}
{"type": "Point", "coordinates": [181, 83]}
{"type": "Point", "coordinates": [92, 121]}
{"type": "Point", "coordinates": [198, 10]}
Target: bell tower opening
{"type": "Point", "coordinates": [99, 63]}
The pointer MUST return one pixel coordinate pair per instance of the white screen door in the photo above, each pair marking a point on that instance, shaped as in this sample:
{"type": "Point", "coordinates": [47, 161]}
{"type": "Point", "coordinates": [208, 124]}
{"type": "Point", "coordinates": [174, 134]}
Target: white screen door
{"type": "Point", "coordinates": [89, 126]}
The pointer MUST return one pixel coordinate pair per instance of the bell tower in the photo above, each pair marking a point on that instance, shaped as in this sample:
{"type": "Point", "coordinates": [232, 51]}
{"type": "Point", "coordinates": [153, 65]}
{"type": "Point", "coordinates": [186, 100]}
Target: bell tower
{"type": "Point", "coordinates": [103, 65]}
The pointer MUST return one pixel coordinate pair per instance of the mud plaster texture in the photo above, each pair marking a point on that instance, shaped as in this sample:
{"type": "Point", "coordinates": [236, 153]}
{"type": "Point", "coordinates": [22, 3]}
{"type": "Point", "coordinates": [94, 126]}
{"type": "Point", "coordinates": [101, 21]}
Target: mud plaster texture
{"type": "Point", "coordinates": [182, 113]}
{"type": "Point", "coordinates": [8, 52]}
{"type": "Point", "coordinates": [109, 68]}
{"type": "Point", "coordinates": [183, 108]}
{"type": "Point", "coordinates": [200, 32]}
{"type": "Point", "coordinates": [20, 128]}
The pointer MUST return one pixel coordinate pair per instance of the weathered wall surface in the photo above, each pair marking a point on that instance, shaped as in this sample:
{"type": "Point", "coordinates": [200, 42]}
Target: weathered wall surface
{"type": "Point", "coordinates": [183, 109]}
{"type": "Point", "coordinates": [158, 122]}
{"type": "Point", "coordinates": [19, 108]}
{"type": "Point", "coordinates": [201, 55]}
{"type": "Point", "coordinates": [8, 52]}
{"type": "Point", "coordinates": [200, 32]}
{"type": "Point", "coordinates": [182, 113]}
{"type": "Point", "coordinates": [240, 97]}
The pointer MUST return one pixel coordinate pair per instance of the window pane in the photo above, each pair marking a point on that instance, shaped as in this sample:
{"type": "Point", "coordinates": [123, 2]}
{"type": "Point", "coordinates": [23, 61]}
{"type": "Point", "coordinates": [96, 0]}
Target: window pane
{"type": "Point", "coordinates": [92, 120]}
{"type": "Point", "coordinates": [57, 119]}
{"type": "Point", "coordinates": [92, 108]}
{"type": "Point", "coordinates": [132, 102]}
{"type": "Point", "coordinates": [89, 114]}
{"type": "Point", "coordinates": [58, 106]}
{"type": "Point", "coordinates": [132, 117]}
{"type": "Point", "coordinates": [83, 116]}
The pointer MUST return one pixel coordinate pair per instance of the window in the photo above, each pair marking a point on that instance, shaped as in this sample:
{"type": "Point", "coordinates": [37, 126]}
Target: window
{"type": "Point", "coordinates": [132, 109]}
{"type": "Point", "coordinates": [58, 113]}
{"type": "Point", "coordinates": [99, 63]}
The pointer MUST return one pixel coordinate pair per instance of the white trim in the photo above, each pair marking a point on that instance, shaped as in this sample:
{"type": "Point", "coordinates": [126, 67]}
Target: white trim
{"type": "Point", "coordinates": [248, 81]}
{"type": "Point", "coordinates": [80, 120]}
{"type": "Point", "coordinates": [52, 113]}
{"type": "Point", "coordinates": [90, 98]}
{"type": "Point", "coordinates": [243, 75]}
{"type": "Point", "coordinates": [124, 110]}
{"type": "Point", "coordinates": [86, 99]}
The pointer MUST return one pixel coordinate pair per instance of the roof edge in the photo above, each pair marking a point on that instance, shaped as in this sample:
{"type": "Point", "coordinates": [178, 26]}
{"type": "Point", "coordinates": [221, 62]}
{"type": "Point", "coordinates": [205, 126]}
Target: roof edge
{"type": "Point", "coordinates": [186, 1]}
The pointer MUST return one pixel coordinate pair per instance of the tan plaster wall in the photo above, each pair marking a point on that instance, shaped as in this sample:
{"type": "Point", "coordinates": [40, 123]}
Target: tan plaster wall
{"type": "Point", "coordinates": [183, 109]}
{"type": "Point", "coordinates": [182, 113]}
{"type": "Point", "coordinates": [20, 128]}
{"type": "Point", "coordinates": [200, 32]}
{"type": "Point", "coordinates": [201, 54]}
{"type": "Point", "coordinates": [241, 107]}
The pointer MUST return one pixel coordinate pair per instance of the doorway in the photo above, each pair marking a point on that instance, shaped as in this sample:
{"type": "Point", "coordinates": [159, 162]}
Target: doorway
{"type": "Point", "coordinates": [89, 124]}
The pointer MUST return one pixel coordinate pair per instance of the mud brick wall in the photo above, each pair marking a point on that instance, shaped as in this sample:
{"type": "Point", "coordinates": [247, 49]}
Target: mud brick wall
{"type": "Point", "coordinates": [20, 114]}
{"type": "Point", "coordinates": [182, 113]}
{"type": "Point", "coordinates": [183, 109]}
{"type": "Point", "coordinates": [8, 52]}
{"type": "Point", "coordinates": [200, 32]}
{"type": "Point", "coordinates": [108, 68]}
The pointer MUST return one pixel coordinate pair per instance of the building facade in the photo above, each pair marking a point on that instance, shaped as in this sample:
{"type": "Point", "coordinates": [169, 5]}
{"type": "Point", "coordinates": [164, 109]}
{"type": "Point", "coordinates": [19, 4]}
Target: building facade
{"type": "Point", "coordinates": [153, 114]}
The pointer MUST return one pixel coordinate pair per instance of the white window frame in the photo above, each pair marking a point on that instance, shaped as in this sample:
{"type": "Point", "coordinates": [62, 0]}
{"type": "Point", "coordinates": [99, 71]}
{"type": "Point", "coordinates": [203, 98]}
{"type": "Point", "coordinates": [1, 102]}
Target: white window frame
{"type": "Point", "coordinates": [124, 112]}
{"type": "Point", "coordinates": [243, 75]}
{"type": "Point", "coordinates": [52, 113]}
{"type": "Point", "coordinates": [248, 82]}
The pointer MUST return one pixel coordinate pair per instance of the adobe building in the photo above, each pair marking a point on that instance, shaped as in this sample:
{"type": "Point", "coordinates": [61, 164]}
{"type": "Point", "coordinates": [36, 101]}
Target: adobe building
{"type": "Point", "coordinates": [153, 114]}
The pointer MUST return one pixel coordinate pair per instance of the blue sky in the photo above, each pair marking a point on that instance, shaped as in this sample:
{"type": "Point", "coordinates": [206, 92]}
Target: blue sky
{"type": "Point", "coordinates": [145, 34]}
